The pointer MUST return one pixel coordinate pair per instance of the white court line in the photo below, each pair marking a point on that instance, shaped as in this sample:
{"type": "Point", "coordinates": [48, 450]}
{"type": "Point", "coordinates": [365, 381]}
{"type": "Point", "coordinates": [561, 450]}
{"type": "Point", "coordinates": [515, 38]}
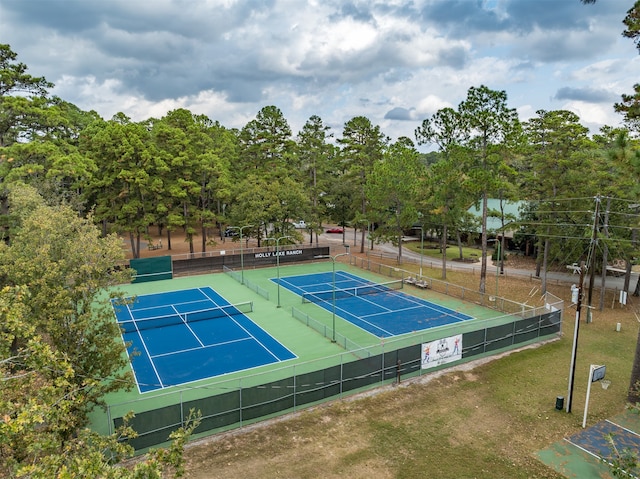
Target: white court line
{"type": "Point", "coordinates": [209, 298]}
{"type": "Point", "coordinates": [252, 336]}
{"type": "Point", "coordinates": [188, 326]}
{"type": "Point", "coordinates": [623, 428]}
{"type": "Point", "coordinates": [444, 311]}
{"type": "Point", "coordinates": [155, 371]}
{"type": "Point", "coordinates": [230, 316]}
{"type": "Point", "coordinates": [393, 311]}
{"type": "Point", "coordinates": [432, 306]}
{"type": "Point", "coordinates": [359, 318]}
{"type": "Point", "coordinates": [203, 347]}
{"type": "Point", "coordinates": [442, 314]}
{"type": "Point", "coordinates": [583, 449]}
{"type": "Point", "coordinates": [284, 281]}
{"type": "Point", "coordinates": [593, 454]}
{"type": "Point", "coordinates": [150, 308]}
{"type": "Point", "coordinates": [363, 298]}
{"type": "Point", "coordinates": [599, 458]}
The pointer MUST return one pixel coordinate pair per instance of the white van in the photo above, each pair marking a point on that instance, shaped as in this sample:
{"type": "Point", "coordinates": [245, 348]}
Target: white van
{"type": "Point", "coordinates": [300, 224]}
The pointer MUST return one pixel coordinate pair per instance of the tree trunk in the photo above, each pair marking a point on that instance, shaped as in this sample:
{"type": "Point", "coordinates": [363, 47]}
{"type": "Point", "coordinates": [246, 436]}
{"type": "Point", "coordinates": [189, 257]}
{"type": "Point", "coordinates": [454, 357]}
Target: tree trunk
{"type": "Point", "coordinates": [135, 244]}
{"type": "Point", "coordinates": [190, 240]}
{"type": "Point", "coordinates": [545, 259]}
{"type": "Point", "coordinates": [483, 265]}
{"type": "Point", "coordinates": [444, 251]}
{"type": "Point", "coordinates": [627, 276]}
{"type": "Point", "coordinates": [633, 395]}
{"type": "Point", "coordinates": [537, 251]}
{"type": "Point", "coordinates": [603, 278]}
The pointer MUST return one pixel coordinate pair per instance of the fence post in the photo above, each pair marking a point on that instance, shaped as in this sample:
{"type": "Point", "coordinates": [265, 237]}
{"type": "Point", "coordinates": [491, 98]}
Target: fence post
{"type": "Point", "coordinates": [341, 373]}
{"type": "Point", "coordinates": [109, 420]}
{"type": "Point", "coordinates": [295, 388]}
{"type": "Point", "coordinates": [181, 410]}
{"type": "Point", "coordinates": [240, 401]}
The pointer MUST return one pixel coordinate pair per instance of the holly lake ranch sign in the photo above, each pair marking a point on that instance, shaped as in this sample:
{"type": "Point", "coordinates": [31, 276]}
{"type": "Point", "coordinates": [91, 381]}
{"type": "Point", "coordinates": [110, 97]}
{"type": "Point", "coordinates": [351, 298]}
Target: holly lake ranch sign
{"type": "Point", "coordinates": [273, 254]}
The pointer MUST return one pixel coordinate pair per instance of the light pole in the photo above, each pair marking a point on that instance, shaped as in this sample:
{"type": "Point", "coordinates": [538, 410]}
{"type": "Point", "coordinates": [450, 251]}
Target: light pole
{"type": "Point", "coordinates": [240, 228]}
{"type": "Point", "coordinates": [333, 261]}
{"type": "Point", "coordinates": [497, 241]}
{"type": "Point", "coordinates": [277, 240]}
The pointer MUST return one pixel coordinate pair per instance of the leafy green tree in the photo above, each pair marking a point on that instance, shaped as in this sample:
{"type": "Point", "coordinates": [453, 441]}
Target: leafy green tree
{"type": "Point", "coordinates": [393, 188]}
{"type": "Point", "coordinates": [630, 108]}
{"type": "Point", "coordinates": [488, 124]}
{"type": "Point", "coordinates": [447, 199]}
{"type": "Point", "coordinates": [66, 267]}
{"type": "Point", "coordinates": [315, 155]}
{"type": "Point", "coordinates": [362, 147]}
{"type": "Point", "coordinates": [556, 140]}
{"type": "Point", "coordinates": [195, 174]}
{"type": "Point", "coordinates": [226, 148]}
{"type": "Point", "coordinates": [341, 200]}
{"type": "Point", "coordinates": [125, 187]}
{"type": "Point", "coordinates": [445, 129]}
{"type": "Point", "coordinates": [632, 24]}
{"type": "Point", "coordinates": [60, 349]}
{"type": "Point", "coordinates": [267, 154]}
{"type": "Point", "coordinates": [55, 168]}
{"type": "Point", "coordinates": [21, 97]}
{"type": "Point", "coordinates": [35, 400]}
{"type": "Point", "coordinates": [39, 135]}
{"type": "Point", "coordinates": [266, 144]}
{"type": "Point", "coordinates": [630, 105]}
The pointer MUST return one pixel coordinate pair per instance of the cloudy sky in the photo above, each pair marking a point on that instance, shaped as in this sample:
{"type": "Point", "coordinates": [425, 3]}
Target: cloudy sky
{"type": "Point", "coordinates": [393, 61]}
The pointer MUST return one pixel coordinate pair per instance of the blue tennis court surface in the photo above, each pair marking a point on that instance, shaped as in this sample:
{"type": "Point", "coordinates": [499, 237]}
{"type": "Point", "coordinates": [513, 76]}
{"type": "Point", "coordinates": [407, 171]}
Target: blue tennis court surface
{"type": "Point", "coordinates": [187, 335]}
{"type": "Point", "coordinates": [594, 440]}
{"type": "Point", "coordinates": [379, 309]}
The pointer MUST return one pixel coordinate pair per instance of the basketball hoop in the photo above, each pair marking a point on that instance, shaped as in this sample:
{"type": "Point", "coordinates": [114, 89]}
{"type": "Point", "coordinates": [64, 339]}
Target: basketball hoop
{"type": "Point", "coordinates": [605, 383]}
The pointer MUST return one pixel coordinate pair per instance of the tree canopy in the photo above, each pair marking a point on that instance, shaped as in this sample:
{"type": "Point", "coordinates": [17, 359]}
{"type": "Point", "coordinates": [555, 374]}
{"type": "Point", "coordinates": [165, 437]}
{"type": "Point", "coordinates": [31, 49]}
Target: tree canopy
{"type": "Point", "coordinates": [70, 177]}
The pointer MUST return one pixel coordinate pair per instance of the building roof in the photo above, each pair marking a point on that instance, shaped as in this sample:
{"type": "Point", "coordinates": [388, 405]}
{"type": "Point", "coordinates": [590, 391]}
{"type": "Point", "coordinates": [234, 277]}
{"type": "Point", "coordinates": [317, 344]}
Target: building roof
{"type": "Point", "coordinates": [511, 211]}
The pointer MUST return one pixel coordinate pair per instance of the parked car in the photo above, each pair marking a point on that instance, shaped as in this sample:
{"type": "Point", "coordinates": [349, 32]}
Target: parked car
{"type": "Point", "coordinates": [336, 230]}
{"type": "Point", "coordinates": [230, 232]}
{"type": "Point", "coordinates": [300, 224]}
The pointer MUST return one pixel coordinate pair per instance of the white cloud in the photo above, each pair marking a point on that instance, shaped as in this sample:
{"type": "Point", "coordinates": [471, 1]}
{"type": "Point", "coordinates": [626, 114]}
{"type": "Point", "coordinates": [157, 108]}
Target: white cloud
{"type": "Point", "coordinates": [593, 115]}
{"type": "Point", "coordinates": [336, 59]}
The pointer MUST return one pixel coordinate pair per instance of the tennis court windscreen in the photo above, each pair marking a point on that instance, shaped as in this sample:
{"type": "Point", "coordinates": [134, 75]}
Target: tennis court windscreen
{"type": "Point", "coordinates": [152, 269]}
{"type": "Point", "coordinates": [133, 325]}
{"type": "Point", "coordinates": [327, 295]}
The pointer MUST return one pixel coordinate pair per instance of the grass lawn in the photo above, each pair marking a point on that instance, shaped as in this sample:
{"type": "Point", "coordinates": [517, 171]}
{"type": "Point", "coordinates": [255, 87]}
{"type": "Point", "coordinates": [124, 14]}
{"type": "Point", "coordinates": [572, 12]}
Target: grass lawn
{"type": "Point", "coordinates": [481, 420]}
{"type": "Point", "coordinates": [432, 249]}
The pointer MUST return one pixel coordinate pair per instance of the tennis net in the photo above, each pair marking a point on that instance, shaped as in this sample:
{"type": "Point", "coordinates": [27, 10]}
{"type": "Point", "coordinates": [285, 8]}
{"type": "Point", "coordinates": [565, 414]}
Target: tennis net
{"type": "Point", "coordinates": [133, 325]}
{"type": "Point", "coordinates": [320, 296]}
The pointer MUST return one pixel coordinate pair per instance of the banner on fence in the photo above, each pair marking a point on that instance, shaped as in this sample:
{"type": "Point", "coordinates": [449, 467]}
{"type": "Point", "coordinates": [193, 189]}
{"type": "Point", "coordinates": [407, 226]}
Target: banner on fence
{"type": "Point", "coordinates": [441, 351]}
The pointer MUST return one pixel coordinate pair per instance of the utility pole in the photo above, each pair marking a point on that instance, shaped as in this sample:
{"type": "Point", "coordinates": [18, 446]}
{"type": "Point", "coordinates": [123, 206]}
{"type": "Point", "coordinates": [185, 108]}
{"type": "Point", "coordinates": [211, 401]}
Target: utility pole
{"type": "Point", "coordinates": [591, 261]}
{"type": "Point", "coordinates": [574, 351]}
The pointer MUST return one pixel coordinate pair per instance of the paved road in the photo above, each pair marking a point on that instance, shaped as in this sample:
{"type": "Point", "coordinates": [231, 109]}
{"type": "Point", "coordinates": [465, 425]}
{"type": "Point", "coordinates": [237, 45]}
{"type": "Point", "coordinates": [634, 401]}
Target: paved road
{"type": "Point", "coordinates": [612, 282]}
